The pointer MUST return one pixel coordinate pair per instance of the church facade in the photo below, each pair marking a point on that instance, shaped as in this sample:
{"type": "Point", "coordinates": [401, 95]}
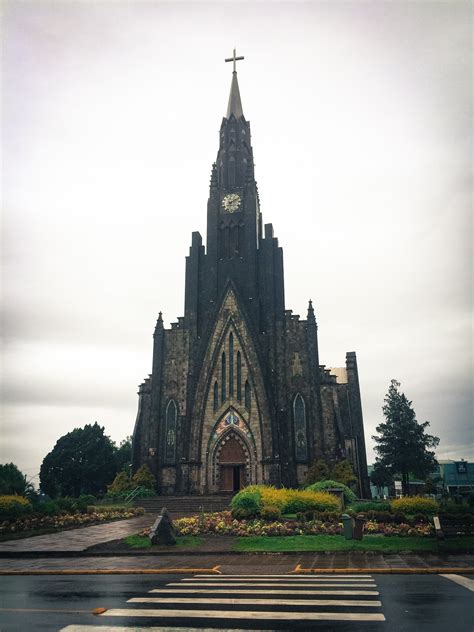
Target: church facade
{"type": "Point", "coordinates": [237, 395]}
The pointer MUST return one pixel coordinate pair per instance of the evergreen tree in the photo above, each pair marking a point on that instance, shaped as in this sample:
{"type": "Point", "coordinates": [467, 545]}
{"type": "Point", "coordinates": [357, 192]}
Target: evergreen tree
{"type": "Point", "coordinates": [12, 481]}
{"type": "Point", "coordinates": [144, 477]}
{"type": "Point", "coordinates": [342, 472]}
{"type": "Point", "coordinates": [123, 455]}
{"type": "Point", "coordinates": [81, 462]}
{"type": "Point", "coordinates": [380, 477]}
{"type": "Point", "coordinates": [121, 483]}
{"type": "Point", "coordinates": [319, 471]}
{"type": "Point", "coordinates": [403, 447]}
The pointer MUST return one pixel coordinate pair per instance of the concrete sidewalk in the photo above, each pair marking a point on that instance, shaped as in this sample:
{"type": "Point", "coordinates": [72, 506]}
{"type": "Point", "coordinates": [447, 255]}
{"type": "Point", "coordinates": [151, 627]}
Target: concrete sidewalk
{"type": "Point", "coordinates": [68, 551]}
{"type": "Point", "coordinates": [228, 563]}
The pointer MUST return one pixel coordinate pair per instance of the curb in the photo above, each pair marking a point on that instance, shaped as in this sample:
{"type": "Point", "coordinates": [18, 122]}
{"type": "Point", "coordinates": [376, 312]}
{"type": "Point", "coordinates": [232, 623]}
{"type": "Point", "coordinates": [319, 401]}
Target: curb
{"type": "Point", "coordinates": [146, 553]}
{"type": "Point", "coordinates": [187, 571]}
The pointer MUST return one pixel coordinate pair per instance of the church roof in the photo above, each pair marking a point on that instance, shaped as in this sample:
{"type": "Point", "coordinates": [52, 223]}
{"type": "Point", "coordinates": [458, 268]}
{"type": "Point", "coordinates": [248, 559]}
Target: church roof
{"type": "Point", "coordinates": [235, 104]}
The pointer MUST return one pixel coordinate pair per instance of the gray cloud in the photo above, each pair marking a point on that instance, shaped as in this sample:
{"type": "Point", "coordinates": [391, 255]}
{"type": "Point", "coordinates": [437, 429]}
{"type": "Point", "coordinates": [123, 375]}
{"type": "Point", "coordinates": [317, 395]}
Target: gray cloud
{"type": "Point", "coordinates": [361, 117]}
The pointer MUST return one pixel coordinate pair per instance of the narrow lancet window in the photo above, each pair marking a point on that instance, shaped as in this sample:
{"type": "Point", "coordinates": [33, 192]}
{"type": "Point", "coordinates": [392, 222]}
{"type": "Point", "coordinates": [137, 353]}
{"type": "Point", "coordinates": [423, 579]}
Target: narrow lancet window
{"type": "Point", "coordinates": [299, 416]}
{"type": "Point", "coordinates": [223, 379]}
{"type": "Point", "coordinates": [216, 396]}
{"type": "Point", "coordinates": [231, 365]}
{"type": "Point", "coordinates": [170, 432]}
{"type": "Point", "coordinates": [239, 377]}
{"type": "Point", "coordinates": [248, 396]}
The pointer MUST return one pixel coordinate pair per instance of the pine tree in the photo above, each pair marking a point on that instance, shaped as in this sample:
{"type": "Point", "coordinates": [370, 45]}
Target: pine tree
{"type": "Point", "coordinates": [144, 477]}
{"type": "Point", "coordinates": [319, 471]}
{"type": "Point", "coordinates": [342, 472]}
{"type": "Point", "coordinates": [403, 447]}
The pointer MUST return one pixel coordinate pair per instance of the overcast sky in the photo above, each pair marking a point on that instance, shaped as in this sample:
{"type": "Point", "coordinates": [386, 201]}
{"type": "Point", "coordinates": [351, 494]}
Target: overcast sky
{"type": "Point", "coordinates": [361, 124]}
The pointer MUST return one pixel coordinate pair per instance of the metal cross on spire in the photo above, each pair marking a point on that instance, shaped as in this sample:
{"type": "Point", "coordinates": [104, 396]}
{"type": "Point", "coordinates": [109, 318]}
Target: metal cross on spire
{"type": "Point", "coordinates": [234, 59]}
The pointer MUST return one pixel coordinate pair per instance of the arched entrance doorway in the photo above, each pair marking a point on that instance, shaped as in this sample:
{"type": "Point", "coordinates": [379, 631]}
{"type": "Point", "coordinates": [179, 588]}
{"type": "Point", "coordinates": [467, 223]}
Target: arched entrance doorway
{"type": "Point", "coordinates": [232, 462]}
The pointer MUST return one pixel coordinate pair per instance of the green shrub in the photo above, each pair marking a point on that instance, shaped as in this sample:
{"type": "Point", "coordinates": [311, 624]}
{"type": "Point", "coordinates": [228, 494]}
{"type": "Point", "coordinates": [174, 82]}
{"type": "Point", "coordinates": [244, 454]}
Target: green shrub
{"type": "Point", "coordinates": [121, 483]}
{"type": "Point", "coordinates": [299, 501]}
{"type": "Point", "coordinates": [47, 508]}
{"type": "Point", "coordinates": [370, 505]}
{"type": "Point", "coordinates": [242, 514]}
{"type": "Point", "coordinates": [349, 495]}
{"type": "Point", "coordinates": [140, 492]}
{"type": "Point", "coordinates": [88, 499]}
{"type": "Point", "coordinates": [144, 477]}
{"type": "Point", "coordinates": [248, 500]}
{"type": "Point", "coordinates": [270, 512]}
{"type": "Point", "coordinates": [323, 516]}
{"type": "Point", "coordinates": [415, 504]}
{"type": "Point", "coordinates": [449, 506]}
{"type": "Point", "coordinates": [13, 506]}
{"type": "Point", "coordinates": [380, 516]}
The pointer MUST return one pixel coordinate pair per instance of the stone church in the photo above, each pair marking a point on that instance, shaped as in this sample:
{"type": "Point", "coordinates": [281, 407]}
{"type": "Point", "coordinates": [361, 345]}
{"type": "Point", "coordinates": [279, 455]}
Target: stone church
{"type": "Point", "coordinates": [237, 394]}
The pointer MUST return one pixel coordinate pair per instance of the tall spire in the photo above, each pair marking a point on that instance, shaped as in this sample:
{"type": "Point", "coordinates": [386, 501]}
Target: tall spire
{"type": "Point", "coordinates": [235, 104]}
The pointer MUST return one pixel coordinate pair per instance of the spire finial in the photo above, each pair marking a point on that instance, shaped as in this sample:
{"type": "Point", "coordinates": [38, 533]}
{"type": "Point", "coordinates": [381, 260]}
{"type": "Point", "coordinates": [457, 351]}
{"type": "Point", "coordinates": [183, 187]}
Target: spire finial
{"type": "Point", "coordinates": [234, 59]}
{"type": "Point", "coordinates": [235, 104]}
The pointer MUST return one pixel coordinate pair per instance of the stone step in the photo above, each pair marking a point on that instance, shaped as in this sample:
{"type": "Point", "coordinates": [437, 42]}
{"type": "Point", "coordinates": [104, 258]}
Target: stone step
{"type": "Point", "coordinates": [183, 505]}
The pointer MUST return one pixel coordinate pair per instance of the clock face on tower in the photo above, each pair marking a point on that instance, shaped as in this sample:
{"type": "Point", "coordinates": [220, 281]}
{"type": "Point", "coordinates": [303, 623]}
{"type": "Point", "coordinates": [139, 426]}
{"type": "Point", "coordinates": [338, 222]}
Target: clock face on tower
{"type": "Point", "coordinates": [231, 202]}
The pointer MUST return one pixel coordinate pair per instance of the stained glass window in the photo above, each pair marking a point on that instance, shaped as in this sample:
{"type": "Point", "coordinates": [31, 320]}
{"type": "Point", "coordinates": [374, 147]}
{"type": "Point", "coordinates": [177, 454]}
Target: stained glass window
{"type": "Point", "coordinates": [239, 377]}
{"type": "Point", "coordinates": [216, 396]}
{"type": "Point", "coordinates": [299, 416]}
{"type": "Point", "coordinates": [170, 435]}
{"type": "Point", "coordinates": [248, 397]}
{"type": "Point", "coordinates": [231, 365]}
{"type": "Point", "coordinates": [223, 378]}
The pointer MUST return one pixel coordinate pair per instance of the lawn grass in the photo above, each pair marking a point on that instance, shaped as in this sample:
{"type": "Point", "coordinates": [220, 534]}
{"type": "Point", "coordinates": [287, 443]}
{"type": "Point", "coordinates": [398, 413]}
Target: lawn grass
{"type": "Point", "coordinates": [144, 542]}
{"type": "Point", "coordinates": [382, 544]}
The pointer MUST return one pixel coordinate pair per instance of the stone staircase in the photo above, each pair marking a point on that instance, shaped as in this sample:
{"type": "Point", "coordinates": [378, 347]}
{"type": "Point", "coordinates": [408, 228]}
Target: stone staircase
{"type": "Point", "coordinates": [179, 506]}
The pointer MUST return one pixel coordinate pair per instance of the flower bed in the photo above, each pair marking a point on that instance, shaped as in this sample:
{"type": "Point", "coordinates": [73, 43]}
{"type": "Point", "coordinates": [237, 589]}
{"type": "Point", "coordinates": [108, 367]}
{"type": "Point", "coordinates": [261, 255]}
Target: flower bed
{"type": "Point", "coordinates": [65, 520]}
{"type": "Point", "coordinates": [223, 523]}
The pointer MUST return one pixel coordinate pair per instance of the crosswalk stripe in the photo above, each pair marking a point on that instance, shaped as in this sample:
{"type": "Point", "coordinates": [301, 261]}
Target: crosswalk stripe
{"type": "Point", "coordinates": [287, 576]}
{"type": "Point", "coordinates": [263, 585]}
{"type": "Point", "coordinates": [243, 614]}
{"type": "Point", "coordinates": [267, 602]}
{"type": "Point", "coordinates": [296, 580]}
{"type": "Point", "coordinates": [257, 591]}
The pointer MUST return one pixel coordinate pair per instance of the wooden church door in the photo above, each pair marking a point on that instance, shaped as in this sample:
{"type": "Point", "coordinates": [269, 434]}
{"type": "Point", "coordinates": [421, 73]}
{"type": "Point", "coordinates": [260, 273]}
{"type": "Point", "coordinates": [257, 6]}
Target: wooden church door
{"type": "Point", "coordinates": [232, 466]}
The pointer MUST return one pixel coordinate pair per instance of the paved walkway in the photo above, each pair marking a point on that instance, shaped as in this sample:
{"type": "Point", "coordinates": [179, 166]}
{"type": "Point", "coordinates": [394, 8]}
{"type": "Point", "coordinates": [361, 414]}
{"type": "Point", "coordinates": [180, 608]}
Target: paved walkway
{"type": "Point", "coordinates": [67, 550]}
{"type": "Point", "coordinates": [78, 539]}
{"type": "Point", "coordinates": [249, 563]}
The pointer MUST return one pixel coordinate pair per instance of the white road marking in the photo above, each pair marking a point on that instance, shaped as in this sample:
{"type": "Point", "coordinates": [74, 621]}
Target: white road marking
{"type": "Point", "coordinates": [462, 581]}
{"type": "Point", "coordinates": [120, 628]}
{"type": "Point", "coordinates": [265, 585]}
{"type": "Point", "coordinates": [266, 602]}
{"type": "Point", "coordinates": [257, 591]}
{"type": "Point", "coordinates": [296, 580]}
{"type": "Point", "coordinates": [289, 576]}
{"type": "Point", "coordinates": [164, 613]}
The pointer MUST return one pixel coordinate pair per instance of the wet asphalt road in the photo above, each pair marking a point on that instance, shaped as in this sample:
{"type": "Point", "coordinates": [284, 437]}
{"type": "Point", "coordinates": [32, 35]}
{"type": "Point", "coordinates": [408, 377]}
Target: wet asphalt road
{"type": "Point", "coordinates": [415, 603]}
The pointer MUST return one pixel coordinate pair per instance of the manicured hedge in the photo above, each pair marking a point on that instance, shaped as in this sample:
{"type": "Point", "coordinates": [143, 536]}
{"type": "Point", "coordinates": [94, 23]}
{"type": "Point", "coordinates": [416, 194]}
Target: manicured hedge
{"type": "Point", "coordinates": [269, 502]}
{"type": "Point", "coordinates": [415, 505]}
{"type": "Point", "coordinates": [370, 505]}
{"type": "Point", "coordinates": [349, 495]}
{"type": "Point", "coordinates": [12, 507]}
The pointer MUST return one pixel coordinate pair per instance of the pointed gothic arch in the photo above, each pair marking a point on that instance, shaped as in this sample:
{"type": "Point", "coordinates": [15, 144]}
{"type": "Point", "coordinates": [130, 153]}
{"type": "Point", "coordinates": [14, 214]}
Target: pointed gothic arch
{"type": "Point", "coordinates": [232, 462]}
